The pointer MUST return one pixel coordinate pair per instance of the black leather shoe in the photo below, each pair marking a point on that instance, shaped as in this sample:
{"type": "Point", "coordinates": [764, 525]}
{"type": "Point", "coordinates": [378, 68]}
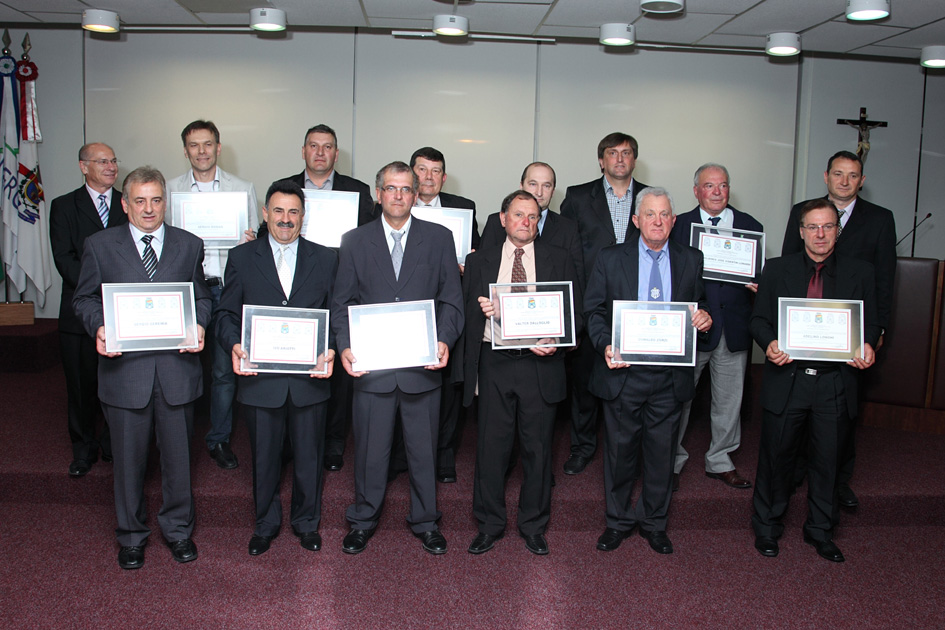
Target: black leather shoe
{"type": "Point", "coordinates": [356, 540]}
{"type": "Point", "coordinates": [131, 557]}
{"type": "Point", "coordinates": [675, 482]}
{"type": "Point", "coordinates": [446, 475]}
{"type": "Point", "coordinates": [575, 464]}
{"type": "Point", "coordinates": [311, 540]}
{"type": "Point", "coordinates": [79, 468]}
{"type": "Point", "coordinates": [183, 550]}
{"type": "Point", "coordinates": [107, 457]}
{"type": "Point", "coordinates": [223, 456]}
{"type": "Point", "coordinates": [536, 544]}
{"type": "Point", "coordinates": [259, 545]}
{"type": "Point", "coordinates": [659, 541]}
{"type": "Point", "coordinates": [483, 543]}
{"type": "Point", "coordinates": [611, 538]}
{"type": "Point", "coordinates": [433, 542]}
{"type": "Point", "coordinates": [334, 462]}
{"type": "Point", "coordinates": [846, 496]}
{"type": "Point", "coordinates": [826, 549]}
{"type": "Point", "coordinates": [768, 547]}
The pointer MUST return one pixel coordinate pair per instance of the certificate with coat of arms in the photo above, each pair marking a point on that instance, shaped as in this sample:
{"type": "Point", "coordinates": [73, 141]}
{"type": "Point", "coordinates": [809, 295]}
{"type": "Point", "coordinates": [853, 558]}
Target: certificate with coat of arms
{"type": "Point", "coordinates": [284, 340]}
{"type": "Point", "coordinates": [820, 330]}
{"type": "Point", "coordinates": [149, 316]}
{"type": "Point", "coordinates": [654, 333]}
{"type": "Point", "coordinates": [328, 215]}
{"type": "Point", "coordinates": [532, 314]}
{"type": "Point", "coordinates": [731, 255]}
{"type": "Point", "coordinates": [219, 218]}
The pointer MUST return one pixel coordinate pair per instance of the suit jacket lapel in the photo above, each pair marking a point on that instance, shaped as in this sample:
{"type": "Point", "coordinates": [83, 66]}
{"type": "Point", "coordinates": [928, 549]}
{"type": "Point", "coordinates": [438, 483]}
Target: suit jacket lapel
{"type": "Point", "coordinates": [631, 269]}
{"type": "Point", "coordinates": [304, 264]}
{"type": "Point", "coordinates": [677, 269]}
{"type": "Point", "coordinates": [411, 252]}
{"type": "Point", "coordinates": [85, 205]}
{"type": "Point", "coordinates": [600, 207]}
{"type": "Point", "coordinates": [382, 255]}
{"type": "Point", "coordinates": [126, 248]}
{"type": "Point", "coordinates": [169, 253]}
{"type": "Point", "coordinates": [266, 265]}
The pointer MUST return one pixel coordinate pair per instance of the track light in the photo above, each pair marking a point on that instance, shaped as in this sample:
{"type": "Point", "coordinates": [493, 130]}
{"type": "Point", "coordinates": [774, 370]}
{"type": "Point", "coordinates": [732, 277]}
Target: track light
{"type": "Point", "coordinates": [867, 9]}
{"type": "Point", "coordinates": [450, 25]}
{"type": "Point", "coordinates": [100, 21]}
{"type": "Point", "coordinates": [617, 34]}
{"type": "Point", "coordinates": [267, 19]}
{"type": "Point", "coordinates": [662, 6]}
{"type": "Point", "coordinates": [783, 44]}
{"type": "Point", "coordinates": [933, 57]}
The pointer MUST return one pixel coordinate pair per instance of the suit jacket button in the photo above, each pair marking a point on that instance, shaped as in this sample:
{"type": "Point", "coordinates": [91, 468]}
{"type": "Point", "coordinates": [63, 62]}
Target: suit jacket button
{"type": "Point", "coordinates": [284, 302]}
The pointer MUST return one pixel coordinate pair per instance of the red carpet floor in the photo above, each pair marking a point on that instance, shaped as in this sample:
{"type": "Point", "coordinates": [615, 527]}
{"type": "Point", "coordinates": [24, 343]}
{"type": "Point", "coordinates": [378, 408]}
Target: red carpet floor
{"type": "Point", "coordinates": [58, 555]}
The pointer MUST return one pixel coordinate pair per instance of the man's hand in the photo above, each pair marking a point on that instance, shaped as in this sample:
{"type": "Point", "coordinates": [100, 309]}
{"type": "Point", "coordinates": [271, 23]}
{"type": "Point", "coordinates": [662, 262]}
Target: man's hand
{"type": "Point", "coordinates": [443, 354]}
{"type": "Point", "coordinates": [775, 355]}
{"type": "Point", "coordinates": [543, 350]}
{"type": "Point", "coordinates": [701, 320]}
{"type": "Point", "coordinates": [100, 344]}
{"type": "Point", "coordinates": [248, 235]}
{"type": "Point", "coordinates": [200, 334]}
{"type": "Point", "coordinates": [328, 358]}
{"type": "Point", "coordinates": [868, 358]}
{"type": "Point", "coordinates": [237, 354]}
{"type": "Point", "coordinates": [488, 308]}
{"type": "Point", "coordinates": [347, 362]}
{"type": "Point", "coordinates": [752, 286]}
{"type": "Point", "coordinates": [609, 357]}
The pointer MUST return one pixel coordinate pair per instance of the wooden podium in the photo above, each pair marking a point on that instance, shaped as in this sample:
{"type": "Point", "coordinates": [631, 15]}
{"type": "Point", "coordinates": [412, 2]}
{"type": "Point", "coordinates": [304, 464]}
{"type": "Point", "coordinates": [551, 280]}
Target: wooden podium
{"type": "Point", "coordinates": [16, 313]}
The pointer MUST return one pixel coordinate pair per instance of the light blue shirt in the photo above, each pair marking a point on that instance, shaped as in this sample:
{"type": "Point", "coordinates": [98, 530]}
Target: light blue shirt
{"type": "Point", "coordinates": [390, 239]}
{"type": "Point", "coordinates": [726, 218]}
{"type": "Point", "coordinates": [157, 243]}
{"type": "Point", "coordinates": [328, 185]}
{"type": "Point", "coordinates": [646, 264]}
{"type": "Point", "coordinates": [541, 221]}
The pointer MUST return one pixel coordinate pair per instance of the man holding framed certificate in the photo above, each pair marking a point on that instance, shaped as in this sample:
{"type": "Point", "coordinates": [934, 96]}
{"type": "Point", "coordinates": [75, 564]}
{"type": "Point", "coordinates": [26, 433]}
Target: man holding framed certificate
{"type": "Point", "coordinates": [281, 270]}
{"type": "Point", "coordinates": [397, 258]}
{"type": "Point", "coordinates": [725, 348]}
{"type": "Point", "coordinates": [519, 389]}
{"type": "Point", "coordinates": [152, 389]}
{"type": "Point", "coordinates": [642, 403]}
{"type": "Point", "coordinates": [202, 147]}
{"type": "Point", "coordinates": [809, 394]}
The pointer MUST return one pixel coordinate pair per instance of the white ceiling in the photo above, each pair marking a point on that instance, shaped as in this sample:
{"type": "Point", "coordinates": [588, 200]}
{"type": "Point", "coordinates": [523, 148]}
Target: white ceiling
{"type": "Point", "coordinates": [713, 23]}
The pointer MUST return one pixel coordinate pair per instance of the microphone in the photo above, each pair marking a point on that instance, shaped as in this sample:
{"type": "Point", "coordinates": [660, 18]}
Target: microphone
{"type": "Point", "coordinates": [927, 217]}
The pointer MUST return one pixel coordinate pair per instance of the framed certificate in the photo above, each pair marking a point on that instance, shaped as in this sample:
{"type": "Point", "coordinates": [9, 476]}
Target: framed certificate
{"type": "Point", "coordinates": [219, 218]}
{"type": "Point", "coordinates": [535, 314]}
{"type": "Point", "coordinates": [284, 340]}
{"type": "Point", "coordinates": [149, 316]}
{"type": "Point", "coordinates": [730, 255]}
{"type": "Point", "coordinates": [654, 333]}
{"type": "Point", "coordinates": [393, 335]}
{"type": "Point", "coordinates": [328, 215]}
{"type": "Point", "coordinates": [458, 220]}
{"type": "Point", "coordinates": [820, 330]}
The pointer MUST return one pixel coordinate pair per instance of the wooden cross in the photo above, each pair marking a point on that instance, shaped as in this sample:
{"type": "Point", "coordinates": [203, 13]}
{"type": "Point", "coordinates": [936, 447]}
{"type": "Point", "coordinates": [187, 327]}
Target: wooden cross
{"type": "Point", "coordinates": [863, 126]}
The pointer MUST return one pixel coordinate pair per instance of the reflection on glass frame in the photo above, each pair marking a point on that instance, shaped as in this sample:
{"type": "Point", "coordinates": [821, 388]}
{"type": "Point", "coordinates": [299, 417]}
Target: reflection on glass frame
{"type": "Point", "coordinates": [540, 314]}
{"type": "Point", "coordinates": [459, 221]}
{"type": "Point", "coordinates": [653, 333]}
{"type": "Point", "coordinates": [149, 316]}
{"type": "Point", "coordinates": [328, 215]}
{"type": "Point", "coordinates": [219, 218]}
{"type": "Point", "coordinates": [284, 340]}
{"type": "Point", "coordinates": [393, 335]}
{"type": "Point", "coordinates": [820, 330]}
{"type": "Point", "coordinates": [731, 255]}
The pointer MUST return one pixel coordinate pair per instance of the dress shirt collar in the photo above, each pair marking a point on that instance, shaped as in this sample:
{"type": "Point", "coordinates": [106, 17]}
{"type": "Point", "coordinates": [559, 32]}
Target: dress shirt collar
{"type": "Point", "coordinates": [405, 230]}
{"type": "Point", "coordinates": [434, 203]}
{"type": "Point", "coordinates": [727, 217]}
{"type": "Point", "coordinates": [94, 194]}
{"type": "Point", "coordinates": [328, 185]}
{"type": "Point", "coordinates": [195, 187]}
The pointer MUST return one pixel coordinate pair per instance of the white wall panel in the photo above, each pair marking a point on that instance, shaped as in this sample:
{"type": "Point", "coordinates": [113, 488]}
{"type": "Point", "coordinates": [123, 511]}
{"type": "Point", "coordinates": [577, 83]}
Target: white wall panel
{"type": "Point", "coordinates": [930, 242]}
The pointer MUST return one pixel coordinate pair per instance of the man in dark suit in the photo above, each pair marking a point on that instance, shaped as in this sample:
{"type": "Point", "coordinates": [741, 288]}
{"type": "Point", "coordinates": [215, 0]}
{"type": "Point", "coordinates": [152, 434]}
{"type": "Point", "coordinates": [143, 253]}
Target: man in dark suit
{"type": "Point", "coordinates": [602, 209]}
{"type": "Point", "coordinates": [74, 217]}
{"type": "Point", "coordinates": [725, 348]}
{"type": "Point", "coordinates": [397, 258]}
{"type": "Point", "coordinates": [818, 396]}
{"type": "Point", "coordinates": [642, 403]}
{"type": "Point", "coordinates": [519, 390]}
{"type": "Point", "coordinates": [430, 166]}
{"type": "Point", "coordinates": [320, 152]}
{"type": "Point", "coordinates": [539, 179]}
{"type": "Point", "coordinates": [281, 404]}
{"type": "Point", "coordinates": [141, 391]}
{"type": "Point", "coordinates": [867, 232]}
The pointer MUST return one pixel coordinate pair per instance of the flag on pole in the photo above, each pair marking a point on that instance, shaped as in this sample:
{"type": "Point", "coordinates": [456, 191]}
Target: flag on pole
{"type": "Point", "coordinates": [9, 168]}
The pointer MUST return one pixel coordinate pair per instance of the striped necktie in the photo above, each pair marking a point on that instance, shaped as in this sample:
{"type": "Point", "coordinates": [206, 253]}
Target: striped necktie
{"type": "Point", "coordinates": [149, 258]}
{"type": "Point", "coordinates": [103, 209]}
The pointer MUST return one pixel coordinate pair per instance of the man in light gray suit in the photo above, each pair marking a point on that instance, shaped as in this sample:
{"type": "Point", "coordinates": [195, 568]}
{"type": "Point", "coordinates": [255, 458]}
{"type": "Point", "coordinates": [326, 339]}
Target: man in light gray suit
{"type": "Point", "coordinates": [202, 148]}
{"type": "Point", "coordinates": [141, 391]}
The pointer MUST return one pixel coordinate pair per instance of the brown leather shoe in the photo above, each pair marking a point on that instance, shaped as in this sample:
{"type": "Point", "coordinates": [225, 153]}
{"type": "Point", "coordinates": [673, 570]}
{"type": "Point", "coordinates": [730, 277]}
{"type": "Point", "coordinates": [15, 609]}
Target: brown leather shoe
{"type": "Point", "coordinates": [731, 478]}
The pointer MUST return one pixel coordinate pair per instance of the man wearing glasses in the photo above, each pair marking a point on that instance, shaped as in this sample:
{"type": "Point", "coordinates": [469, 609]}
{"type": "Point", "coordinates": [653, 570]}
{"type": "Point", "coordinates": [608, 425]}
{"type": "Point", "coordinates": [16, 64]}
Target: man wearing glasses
{"type": "Point", "coordinates": [799, 396]}
{"type": "Point", "coordinates": [74, 217]}
{"type": "Point", "coordinates": [867, 232]}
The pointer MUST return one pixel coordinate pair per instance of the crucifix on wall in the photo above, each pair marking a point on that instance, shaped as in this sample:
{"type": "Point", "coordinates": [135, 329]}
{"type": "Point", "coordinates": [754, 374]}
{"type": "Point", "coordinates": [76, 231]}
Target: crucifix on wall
{"type": "Point", "coordinates": [863, 127]}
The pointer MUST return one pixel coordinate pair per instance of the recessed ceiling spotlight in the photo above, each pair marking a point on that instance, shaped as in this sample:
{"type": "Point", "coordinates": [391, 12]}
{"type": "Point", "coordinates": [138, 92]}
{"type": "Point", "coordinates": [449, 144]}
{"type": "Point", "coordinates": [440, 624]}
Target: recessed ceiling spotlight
{"type": "Point", "coordinates": [783, 44]}
{"type": "Point", "coordinates": [617, 34]}
{"type": "Point", "coordinates": [867, 9]}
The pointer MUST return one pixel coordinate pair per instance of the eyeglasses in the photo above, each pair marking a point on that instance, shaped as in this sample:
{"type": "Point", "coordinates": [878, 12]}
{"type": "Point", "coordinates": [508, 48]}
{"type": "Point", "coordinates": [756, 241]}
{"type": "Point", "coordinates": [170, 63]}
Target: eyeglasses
{"type": "Point", "coordinates": [404, 190]}
{"type": "Point", "coordinates": [826, 227]}
{"type": "Point", "coordinates": [113, 162]}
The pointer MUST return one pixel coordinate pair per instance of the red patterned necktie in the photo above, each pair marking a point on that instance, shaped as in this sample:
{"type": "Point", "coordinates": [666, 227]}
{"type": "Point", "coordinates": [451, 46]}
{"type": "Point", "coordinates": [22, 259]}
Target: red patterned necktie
{"type": "Point", "coordinates": [815, 288]}
{"type": "Point", "coordinates": [518, 270]}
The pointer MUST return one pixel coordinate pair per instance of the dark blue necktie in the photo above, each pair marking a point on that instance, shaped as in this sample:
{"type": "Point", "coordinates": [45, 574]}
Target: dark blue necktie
{"type": "Point", "coordinates": [656, 282]}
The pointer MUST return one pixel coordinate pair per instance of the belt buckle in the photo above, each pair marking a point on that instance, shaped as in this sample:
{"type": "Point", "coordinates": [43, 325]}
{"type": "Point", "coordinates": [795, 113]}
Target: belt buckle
{"type": "Point", "coordinates": [810, 371]}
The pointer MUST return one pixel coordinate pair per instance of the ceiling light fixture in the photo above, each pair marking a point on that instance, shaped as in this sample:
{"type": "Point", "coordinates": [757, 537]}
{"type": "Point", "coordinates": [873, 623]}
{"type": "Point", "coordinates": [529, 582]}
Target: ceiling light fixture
{"type": "Point", "coordinates": [867, 9]}
{"type": "Point", "coordinates": [450, 25]}
{"type": "Point", "coordinates": [933, 57]}
{"type": "Point", "coordinates": [267, 19]}
{"type": "Point", "coordinates": [100, 21]}
{"type": "Point", "coordinates": [783, 44]}
{"type": "Point", "coordinates": [617, 34]}
{"type": "Point", "coordinates": [662, 6]}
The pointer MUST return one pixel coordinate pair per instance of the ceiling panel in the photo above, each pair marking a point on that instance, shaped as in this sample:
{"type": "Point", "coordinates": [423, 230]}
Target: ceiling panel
{"type": "Point", "coordinates": [56, 18]}
{"type": "Point", "coordinates": [773, 16]}
{"type": "Point", "coordinates": [588, 14]}
{"type": "Point", "coordinates": [730, 7]}
{"type": "Point", "coordinates": [679, 31]}
{"type": "Point", "coordinates": [929, 35]}
{"type": "Point", "coordinates": [843, 37]}
{"type": "Point", "coordinates": [323, 12]}
{"type": "Point", "coordinates": [913, 13]}
{"type": "Point", "coordinates": [888, 51]}
{"type": "Point", "coordinates": [569, 31]}
{"type": "Point", "coordinates": [12, 15]}
{"type": "Point", "coordinates": [47, 6]}
{"type": "Point", "coordinates": [734, 41]}
{"type": "Point", "coordinates": [164, 12]}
